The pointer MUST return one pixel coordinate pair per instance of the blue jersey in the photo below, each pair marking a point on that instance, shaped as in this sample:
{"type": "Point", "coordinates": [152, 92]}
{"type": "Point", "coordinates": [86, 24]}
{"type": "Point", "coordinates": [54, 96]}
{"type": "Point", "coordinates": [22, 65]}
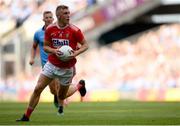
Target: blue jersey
{"type": "Point", "coordinates": [39, 39]}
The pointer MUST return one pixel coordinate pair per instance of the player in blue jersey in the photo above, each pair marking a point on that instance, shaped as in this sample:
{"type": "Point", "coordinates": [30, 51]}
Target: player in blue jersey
{"type": "Point", "coordinates": [39, 41]}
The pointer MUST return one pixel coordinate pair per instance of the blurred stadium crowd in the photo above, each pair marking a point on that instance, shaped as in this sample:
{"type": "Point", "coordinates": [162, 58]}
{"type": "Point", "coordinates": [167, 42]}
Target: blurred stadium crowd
{"type": "Point", "coordinates": [20, 10]}
{"type": "Point", "coordinates": [149, 63]}
{"type": "Point", "coordinates": [152, 61]}
{"type": "Point", "coordinates": [15, 12]}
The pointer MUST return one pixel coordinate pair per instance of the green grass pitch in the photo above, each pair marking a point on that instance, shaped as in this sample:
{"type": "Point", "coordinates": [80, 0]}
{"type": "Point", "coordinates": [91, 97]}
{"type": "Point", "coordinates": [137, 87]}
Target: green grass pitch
{"type": "Point", "coordinates": [95, 113]}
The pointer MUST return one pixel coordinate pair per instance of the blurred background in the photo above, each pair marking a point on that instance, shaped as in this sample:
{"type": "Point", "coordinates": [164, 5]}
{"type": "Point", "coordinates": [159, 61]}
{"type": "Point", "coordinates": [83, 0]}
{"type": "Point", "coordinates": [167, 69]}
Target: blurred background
{"type": "Point", "coordinates": [133, 51]}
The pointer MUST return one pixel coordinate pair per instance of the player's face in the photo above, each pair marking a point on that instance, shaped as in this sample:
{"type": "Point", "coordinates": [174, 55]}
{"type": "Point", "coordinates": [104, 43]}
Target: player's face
{"type": "Point", "coordinates": [48, 18]}
{"type": "Point", "coordinates": [64, 16]}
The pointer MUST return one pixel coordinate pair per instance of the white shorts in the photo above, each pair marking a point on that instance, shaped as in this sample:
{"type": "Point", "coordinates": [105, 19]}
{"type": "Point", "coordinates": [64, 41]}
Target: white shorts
{"type": "Point", "coordinates": [65, 75]}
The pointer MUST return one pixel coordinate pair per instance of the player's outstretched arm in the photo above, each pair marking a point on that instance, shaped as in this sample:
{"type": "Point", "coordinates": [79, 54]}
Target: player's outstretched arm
{"type": "Point", "coordinates": [33, 53]}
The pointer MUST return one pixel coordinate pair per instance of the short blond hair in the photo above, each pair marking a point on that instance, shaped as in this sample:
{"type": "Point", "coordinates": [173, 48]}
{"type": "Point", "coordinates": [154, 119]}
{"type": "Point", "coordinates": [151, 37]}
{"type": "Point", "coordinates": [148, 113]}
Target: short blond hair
{"type": "Point", "coordinates": [46, 12]}
{"type": "Point", "coordinates": [61, 7]}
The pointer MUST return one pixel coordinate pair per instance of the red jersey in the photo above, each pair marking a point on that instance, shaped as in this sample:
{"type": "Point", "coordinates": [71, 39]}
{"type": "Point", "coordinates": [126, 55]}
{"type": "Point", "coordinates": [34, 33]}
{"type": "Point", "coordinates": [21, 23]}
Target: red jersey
{"type": "Point", "coordinates": [69, 35]}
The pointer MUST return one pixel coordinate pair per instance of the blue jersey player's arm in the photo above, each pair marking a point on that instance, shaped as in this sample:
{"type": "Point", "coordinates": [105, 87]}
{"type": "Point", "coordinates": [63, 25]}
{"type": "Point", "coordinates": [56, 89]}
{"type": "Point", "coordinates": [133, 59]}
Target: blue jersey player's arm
{"type": "Point", "coordinates": [34, 49]}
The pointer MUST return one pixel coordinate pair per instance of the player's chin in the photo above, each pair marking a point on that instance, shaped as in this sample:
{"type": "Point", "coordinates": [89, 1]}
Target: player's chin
{"type": "Point", "coordinates": [48, 23]}
{"type": "Point", "coordinates": [67, 21]}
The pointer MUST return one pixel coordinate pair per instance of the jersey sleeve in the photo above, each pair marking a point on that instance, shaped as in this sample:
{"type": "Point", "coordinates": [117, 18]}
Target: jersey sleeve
{"type": "Point", "coordinates": [47, 35]}
{"type": "Point", "coordinates": [36, 38]}
{"type": "Point", "coordinates": [79, 36]}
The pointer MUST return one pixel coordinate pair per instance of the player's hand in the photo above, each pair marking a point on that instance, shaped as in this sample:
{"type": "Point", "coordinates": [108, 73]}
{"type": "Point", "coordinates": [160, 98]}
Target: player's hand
{"type": "Point", "coordinates": [31, 62]}
{"type": "Point", "coordinates": [73, 55]}
{"type": "Point", "coordinates": [58, 53]}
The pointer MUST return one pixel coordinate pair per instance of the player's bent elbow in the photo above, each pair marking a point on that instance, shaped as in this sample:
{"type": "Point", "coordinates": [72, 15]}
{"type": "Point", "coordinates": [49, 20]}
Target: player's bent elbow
{"type": "Point", "coordinates": [45, 49]}
{"type": "Point", "coordinates": [86, 47]}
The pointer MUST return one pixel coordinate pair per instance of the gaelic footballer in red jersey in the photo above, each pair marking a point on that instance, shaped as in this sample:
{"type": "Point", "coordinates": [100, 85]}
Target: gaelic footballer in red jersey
{"type": "Point", "coordinates": [61, 33]}
{"type": "Point", "coordinates": [57, 36]}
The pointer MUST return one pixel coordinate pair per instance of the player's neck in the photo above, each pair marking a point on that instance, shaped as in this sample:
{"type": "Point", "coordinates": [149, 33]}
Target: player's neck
{"type": "Point", "coordinates": [61, 25]}
{"type": "Point", "coordinates": [45, 26]}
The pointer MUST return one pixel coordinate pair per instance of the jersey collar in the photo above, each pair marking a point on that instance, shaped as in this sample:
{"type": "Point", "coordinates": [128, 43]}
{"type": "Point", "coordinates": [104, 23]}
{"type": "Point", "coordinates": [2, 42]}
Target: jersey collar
{"type": "Point", "coordinates": [62, 27]}
{"type": "Point", "coordinates": [43, 28]}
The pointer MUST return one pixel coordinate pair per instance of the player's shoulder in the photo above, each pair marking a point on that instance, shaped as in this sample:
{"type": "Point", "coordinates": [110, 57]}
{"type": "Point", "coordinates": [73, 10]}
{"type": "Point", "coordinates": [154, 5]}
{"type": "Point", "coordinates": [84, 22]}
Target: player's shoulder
{"type": "Point", "coordinates": [74, 27]}
{"type": "Point", "coordinates": [38, 31]}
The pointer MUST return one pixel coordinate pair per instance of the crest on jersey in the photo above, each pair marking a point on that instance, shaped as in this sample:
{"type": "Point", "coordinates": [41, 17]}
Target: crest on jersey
{"type": "Point", "coordinates": [67, 35]}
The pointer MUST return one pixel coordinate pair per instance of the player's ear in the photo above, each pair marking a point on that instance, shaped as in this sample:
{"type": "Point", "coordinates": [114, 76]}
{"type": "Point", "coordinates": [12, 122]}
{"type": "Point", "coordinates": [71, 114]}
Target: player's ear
{"type": "Point", "coordinates": [58, 16]}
